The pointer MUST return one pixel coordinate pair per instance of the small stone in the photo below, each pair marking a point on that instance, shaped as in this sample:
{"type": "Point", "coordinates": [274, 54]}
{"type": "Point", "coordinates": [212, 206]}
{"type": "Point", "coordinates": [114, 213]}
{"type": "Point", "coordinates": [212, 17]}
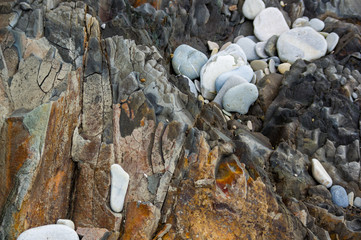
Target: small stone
{"type": "Point", "coordinates": [25, 6]}
{"type": "Point", "coordinates": [240, 98]}
{"type": "Point", "coordinates": [284, 67]}
{"type": "Point", "coordinates": [232, 81]}
{"type": "Point", "coordinates": [301, 43]}
{"type": "Point", "coordinates": [66, 222]}
{"type": "Point", "coordinates": [233, 8]}
{"type": "Point", "coordinates": [354, 95]}
{"type": "Point", "coordinates": [272, 66]}
{"type": "Point", "coordinates": [226, 45]}
{"type": "Point", "coordinates": [271, 46]}
{"type": "Point", "coordinates": [324, 34]}
{"type": "Point", "coordinates": [249, 125]}
{"type": "Point", "coordinates": [339, 196]}
{"type": "Point", "coordinates": [103, 26]}
{"type": "Point", "coordinates": [258, 65]}
{"type": "Point", "coordinates": [332, 40]}
{"type": "Point", "coordinates": [198, 85]}
{"type": "Point", "coordinates": [214, 52]}
{"type": "Point", "coordinates": [52, 231]}
{"type": "Point", "coordinates": [269, 22]}
{"type": "Point", "coordinates": [212, 45]}
{"type": "Point", "coordinates": [230, 58]}
{"type": "Point", "coordinates": [244, 71]}
{"type": "Point", "coordinates": [227, 113]}
{"type": "Point", "coordinates": [188, 61]}
{"type": "Point", "coordinates": [119, 186]}
{"type": "Point", "coordinates": [266, 71]}
{"type": "Point", "coordinates": [300, 22]}
{"type": "Point", "coordinates": [192, 87]}
{"type": "Point", "coordinates": [259, 75]}
{"type": "Point", "coordinates": [248, 46]}
{"type": "Point", "coordinates": [320, 174]}
{"type": "Point", "coordinates": [251, 8]}
{"type": "Point", "coordinates": [357, 202]}
{"type": "Point", "coordinates": [317, 24]}
{"type": "Point", "coordinates": [260, 49]}
{"type": "Point", "coordinates": [351, 197]}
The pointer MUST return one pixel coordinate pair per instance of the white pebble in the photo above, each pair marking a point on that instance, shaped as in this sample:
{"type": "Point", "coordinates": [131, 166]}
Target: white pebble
{"type": "Point", "coordinates": [66, 222]}
{"type": "Point", "coordinates": [350, 196]}
{"type": "Point", "coordinates": [119, 186]}
{"type": "Point", "coordinates": [320, 174]}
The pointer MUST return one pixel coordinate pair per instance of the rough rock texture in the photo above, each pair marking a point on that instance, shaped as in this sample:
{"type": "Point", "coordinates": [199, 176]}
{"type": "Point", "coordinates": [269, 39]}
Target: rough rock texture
{"type": "Point", "coordinates": [84, 85]}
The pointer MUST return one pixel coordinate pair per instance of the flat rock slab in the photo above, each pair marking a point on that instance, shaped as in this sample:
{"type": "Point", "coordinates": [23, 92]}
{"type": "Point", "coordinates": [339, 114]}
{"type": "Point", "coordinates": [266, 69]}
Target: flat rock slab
{"type": "Point", "coordinates": [301, 43]}
{"type": "Point", "coordinates": [49, 232]}
{"type": "Point", "coordinates": [269, 22]}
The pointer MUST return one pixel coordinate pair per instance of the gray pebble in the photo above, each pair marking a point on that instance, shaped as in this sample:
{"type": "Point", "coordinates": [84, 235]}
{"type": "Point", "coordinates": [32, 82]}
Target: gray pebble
{"type": "Point", "coordinates": [258, 65]}
{"type": "Point", "coordinates": [271, 46]}
{"type": "Point", "coordinates": [259, 75]}
{"type": "Point", "coordinates": [272, 66]}
{"type": "Point", "coordinates": [317, 24]}
{"type": "Point", "coordinates": [260, 46]}
{"type": "Point", "coordinates": [357, 202]}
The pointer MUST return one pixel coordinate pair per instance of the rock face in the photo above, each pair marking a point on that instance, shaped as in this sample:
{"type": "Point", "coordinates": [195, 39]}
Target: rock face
{"type": "Point", "coordinates": [89, 87]}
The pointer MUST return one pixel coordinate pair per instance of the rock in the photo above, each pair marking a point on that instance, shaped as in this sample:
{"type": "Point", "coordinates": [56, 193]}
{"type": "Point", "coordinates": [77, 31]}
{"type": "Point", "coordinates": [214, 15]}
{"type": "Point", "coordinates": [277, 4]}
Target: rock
{"type": "Point", "coordinates": [351, 197]}
{"type": "Point", "coordinates": [339, 196]}
{"type": "Point", "coordinates": [251, 8]}
{"type": "Point", "coordinates": [66, 222]}
{"type": "Point", "coordinates": [268, 88]}
{"type": "Point", "coordinates": [259, 74]}
{"type": "Point", "coordinates": [271, 46]}
{"type": "Point", "coordinates": [260, 49]}
{"type": "Point", "coordinates": [53, 231]}
{"type": "Point", "coordinates": [188, 61]}
{"type": "Point", "coordinates": [119, 186]}
{"type": "Point", "coordinates": [301, 43]}
{"type": "Point", "coordinates": [300, 22]}
{"type": "Point", "coordinates": [212, 45]}
{"type": "Point", "coordinates": [25, 6]}
{"type": "Point", "coordinates": [244, 71]}
{"type": "Point", "coordinates": [284, 67]}
{"type": "Point", "coordinates": [269, 22]}
{"type": "Point", "coordinates": [91, 233]}
{"type": "Point", "coordinates": [272, 66]}
{"type": "Point", "coordinates": [320, 174]}
{"type": "Point", "coordinates": [332, 40]}
{"type": "Point", "coordinates": [258, 65]}
{"type": "Point", "coordinates": [240, 98]}
{"type": "Point", "coordinates": [317, 24]}
{"type": "Point", "coordinates": [230, 58]}
{"type": "Point", "coordinates": [321, 191]}
{"type": "Point", "coordinates": [357, 202]}
{"type": "Point", "coordinates": [232, 81]}
{"type": "Point", "coordinates": [192, 87]}
{"type": "Point", "coordinates": [248, 46]}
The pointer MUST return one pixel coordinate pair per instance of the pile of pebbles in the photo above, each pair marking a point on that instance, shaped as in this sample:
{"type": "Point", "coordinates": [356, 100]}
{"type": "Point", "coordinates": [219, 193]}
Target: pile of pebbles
{"type": "Point", "coordinates": [229, 77]}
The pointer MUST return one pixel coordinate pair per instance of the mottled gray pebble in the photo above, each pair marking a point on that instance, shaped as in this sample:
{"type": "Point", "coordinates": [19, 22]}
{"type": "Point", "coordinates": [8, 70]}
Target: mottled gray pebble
{"type": "Point", "coordinates": [271, 46]}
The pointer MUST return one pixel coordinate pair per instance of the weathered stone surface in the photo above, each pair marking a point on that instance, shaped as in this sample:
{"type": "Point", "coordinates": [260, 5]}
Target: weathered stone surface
{"type": "Point", "coordinates": [91, 233]}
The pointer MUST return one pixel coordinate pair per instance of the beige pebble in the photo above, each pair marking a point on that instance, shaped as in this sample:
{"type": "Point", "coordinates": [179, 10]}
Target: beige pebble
{"type": "Point", "coordinates": [284, 67]}
{"type": "Point", "coordinates": [214, 51]}
{"type": "Point", "coordinates": [212, 45]}
{"type": "Point", "coordinates": [225, 45]}
{"type": "Point", "coordinates": [249, 125]}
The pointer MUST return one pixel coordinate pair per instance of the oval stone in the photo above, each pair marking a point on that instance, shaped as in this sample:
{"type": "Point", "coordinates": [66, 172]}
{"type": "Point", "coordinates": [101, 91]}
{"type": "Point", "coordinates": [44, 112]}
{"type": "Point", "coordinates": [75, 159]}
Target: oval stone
{"type": "Point", "coordinates": [240, 98]}
{"type": "Point", "coordinates": [118, 187]}
{"type": "Point", "coordinates": [301, 43]}
{"type": "Point", "coordinates": [339, 196]}
{"type": "Point", "coordinates": [269, 22]}
{"type": "Point", "coordinates": [332, 40]}
{"type": "Point", "coordinates": [52, 231]}
{"type": "Point", "coordinates": [320, 174]}
{"type": "Point", "coordinates": [251, 8]}
{"type": "Point", "coordinates": [317, 24]}
{"type": "Point", "coordinates": [249, 48]}
{"type": "Point", "coordinates": [232, 81]}
{"type": "Point", "coordinates": [188, 61]}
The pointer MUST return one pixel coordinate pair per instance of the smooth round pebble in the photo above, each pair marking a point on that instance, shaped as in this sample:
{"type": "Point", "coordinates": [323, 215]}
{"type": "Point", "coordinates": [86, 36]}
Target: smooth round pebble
{"type": "Point", "coordinates": [332, 40]}
{"type": "Point", "coordinates": [260, 49]}
{"type": "Point", "coordinates": [240, 98]}
{"type": "Point", "coordinates": [301, 43]}
{"type": "Point", "coordinates": [272, 66]}
{"type": "Point", "coordinates": [232, 81]}
{"type": "Point", "coordinates": [357, 202]}
{"type": "Point", "coordinates": [317, 24]}
{"type": "Point", "coordinates": [251, 8]}
{"type": "Point", "coordinates": [52, 231]}
{"type": "Point", "coordinates": [269, 22]}
{"type": "Point", "coordinates": [188, 61]}
{"type": "Point", "coordinates": [300, 22]}
{"type": "Point", "coordinates": [118, 187]}
{"type": "Point", "coordinates": [320, 174]}
{"type": "Point", "coordinates": [339, 196]}
{"type": "Point", "coordinates": [244, 71]}
{"type": "Point", "coordinates": [284, 67]}
{"type": "Point", "coordinates": [230, 58]}
{"type": "Point", "coordinates": [248, 46]}
{"type": "Point", "coordinates": [66, 222]}
{"type": "Point", "coordinates": [271, 46]}
{"type": "Point", "coordinates": [258, 65]}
